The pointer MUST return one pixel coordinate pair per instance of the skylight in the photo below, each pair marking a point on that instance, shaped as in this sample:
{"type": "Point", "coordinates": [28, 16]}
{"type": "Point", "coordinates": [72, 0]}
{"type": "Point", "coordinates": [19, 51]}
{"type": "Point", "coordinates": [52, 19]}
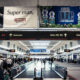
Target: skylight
{"type": "Point", "coordinates": [39, 44]}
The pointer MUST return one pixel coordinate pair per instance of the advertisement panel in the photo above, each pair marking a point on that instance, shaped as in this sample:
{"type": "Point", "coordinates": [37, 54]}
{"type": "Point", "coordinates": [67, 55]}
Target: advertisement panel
{"type": "Point", "coordinates": [59, 16]}
{"type": "Point", "coordinates": [20, 17]}
{"type": "Point", "coordinates": [40, 17]}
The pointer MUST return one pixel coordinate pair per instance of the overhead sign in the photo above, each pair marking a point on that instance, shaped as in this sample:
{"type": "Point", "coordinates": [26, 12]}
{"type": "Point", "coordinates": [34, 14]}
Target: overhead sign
{"type": "Point", "coordinates": [67, 50]}
{"type": "Point", "coordinates": [37, 50]}
{"type": "Point", "coordinates": [12, 50]}
{"type": "Point", "coordinates": [20, 17]}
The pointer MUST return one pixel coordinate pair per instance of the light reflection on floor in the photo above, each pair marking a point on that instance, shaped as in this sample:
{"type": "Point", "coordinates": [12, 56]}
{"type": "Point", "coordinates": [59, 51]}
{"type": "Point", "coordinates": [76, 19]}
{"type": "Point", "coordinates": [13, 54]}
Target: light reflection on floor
{"type": "Point", "coordinates": [31, 67]}
{"type": "Point", "coordinates": [38, 65]}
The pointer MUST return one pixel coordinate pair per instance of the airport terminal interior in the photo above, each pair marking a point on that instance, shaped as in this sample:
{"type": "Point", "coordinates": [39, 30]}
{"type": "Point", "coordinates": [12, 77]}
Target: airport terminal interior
{"type": "Point", "coordinates": [39, 39]}
{"type": "Point", "coordinates": [40, 59]}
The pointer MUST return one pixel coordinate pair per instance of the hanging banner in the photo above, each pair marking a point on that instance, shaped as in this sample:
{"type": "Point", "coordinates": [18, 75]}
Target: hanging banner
{"type": "Point", "coordinates": [20, 17]}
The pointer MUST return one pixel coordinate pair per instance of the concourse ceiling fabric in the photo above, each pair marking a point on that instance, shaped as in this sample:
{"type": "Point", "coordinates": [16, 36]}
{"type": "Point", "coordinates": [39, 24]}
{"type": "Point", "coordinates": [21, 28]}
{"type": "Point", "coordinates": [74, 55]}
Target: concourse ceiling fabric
{"type": "Point", "coordinates": [39, 2]}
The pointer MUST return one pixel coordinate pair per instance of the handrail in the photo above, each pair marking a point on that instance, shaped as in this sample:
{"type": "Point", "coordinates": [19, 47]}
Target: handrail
{"type": "Point", "coordinates": [61, 70]}
{"type": "Point", "coordinates": [14, 70]}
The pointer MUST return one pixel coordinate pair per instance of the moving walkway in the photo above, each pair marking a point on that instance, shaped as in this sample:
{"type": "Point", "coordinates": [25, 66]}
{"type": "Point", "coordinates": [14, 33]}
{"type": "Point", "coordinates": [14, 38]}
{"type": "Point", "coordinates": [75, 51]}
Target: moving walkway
{"type": "Point", "coordinates": [43, 72]}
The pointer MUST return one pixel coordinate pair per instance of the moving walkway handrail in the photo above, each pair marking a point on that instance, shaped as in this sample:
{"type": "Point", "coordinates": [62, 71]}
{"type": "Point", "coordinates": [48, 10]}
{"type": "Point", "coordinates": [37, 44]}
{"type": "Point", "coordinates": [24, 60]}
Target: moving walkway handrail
{"type": "Point", "coordinates": [61, 70]}
{"type": "Point", "coordinates": [14, 69]}
{"type": "Point", "coordinates": [21, 65]}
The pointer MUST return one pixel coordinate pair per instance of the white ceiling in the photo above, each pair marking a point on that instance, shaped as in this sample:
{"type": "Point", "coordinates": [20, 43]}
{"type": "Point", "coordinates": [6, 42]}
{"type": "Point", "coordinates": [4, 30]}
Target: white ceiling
{"type": "Point", "coordinates": [40, 44]}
